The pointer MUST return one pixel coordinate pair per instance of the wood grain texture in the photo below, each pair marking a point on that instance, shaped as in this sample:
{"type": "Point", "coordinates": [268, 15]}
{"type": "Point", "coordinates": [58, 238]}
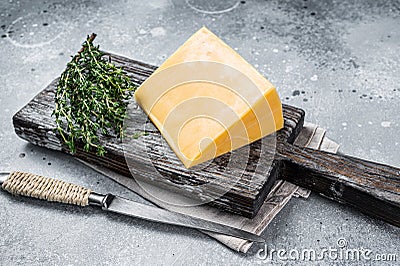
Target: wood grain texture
{"type": "Point", "coordinates": [249, 172]}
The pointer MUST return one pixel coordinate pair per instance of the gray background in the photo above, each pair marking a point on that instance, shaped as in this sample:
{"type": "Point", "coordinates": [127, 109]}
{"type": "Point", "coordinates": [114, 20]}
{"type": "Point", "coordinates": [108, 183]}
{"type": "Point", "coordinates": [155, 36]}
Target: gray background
{"type": "Point", "coordinates": [338, 60]}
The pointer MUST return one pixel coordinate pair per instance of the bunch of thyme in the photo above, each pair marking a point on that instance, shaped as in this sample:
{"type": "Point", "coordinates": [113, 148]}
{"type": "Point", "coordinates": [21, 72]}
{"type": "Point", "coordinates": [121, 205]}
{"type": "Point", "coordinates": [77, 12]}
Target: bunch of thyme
{"type": "Point", "coordinates": [91, 99]}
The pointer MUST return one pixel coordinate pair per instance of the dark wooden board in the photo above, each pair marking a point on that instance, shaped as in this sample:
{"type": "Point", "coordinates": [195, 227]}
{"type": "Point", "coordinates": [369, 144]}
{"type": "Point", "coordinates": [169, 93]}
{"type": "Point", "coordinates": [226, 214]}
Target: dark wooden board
{"type": "Point", "coordinates": [249, 184]}
{"type": "Point", "coordinates": [371, 187]}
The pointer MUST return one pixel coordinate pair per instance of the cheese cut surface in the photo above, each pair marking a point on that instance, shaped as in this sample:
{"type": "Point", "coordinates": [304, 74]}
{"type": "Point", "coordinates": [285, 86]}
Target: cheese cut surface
{"type": "Point", "coordinates": [206, 100]}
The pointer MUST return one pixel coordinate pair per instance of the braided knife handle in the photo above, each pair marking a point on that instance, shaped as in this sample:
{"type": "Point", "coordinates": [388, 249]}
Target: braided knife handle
{"type": "Point", "coordinates": [27, 184]}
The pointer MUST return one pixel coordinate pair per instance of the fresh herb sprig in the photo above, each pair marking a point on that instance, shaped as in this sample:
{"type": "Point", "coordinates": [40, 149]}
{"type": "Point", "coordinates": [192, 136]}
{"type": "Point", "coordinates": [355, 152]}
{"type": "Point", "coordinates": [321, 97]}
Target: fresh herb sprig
{"type": "Point", "coordinates": [91, 99]}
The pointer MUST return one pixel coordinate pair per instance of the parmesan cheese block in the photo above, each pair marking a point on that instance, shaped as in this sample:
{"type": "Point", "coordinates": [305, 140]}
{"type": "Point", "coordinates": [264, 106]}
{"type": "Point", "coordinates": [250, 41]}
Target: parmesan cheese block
{"type": "Point", "coordinates": [206, 100]}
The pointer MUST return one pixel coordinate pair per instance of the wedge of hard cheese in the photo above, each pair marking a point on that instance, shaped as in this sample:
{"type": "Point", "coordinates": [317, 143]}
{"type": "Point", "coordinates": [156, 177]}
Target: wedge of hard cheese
{"type": "Point", "coordinates": [206, 100]}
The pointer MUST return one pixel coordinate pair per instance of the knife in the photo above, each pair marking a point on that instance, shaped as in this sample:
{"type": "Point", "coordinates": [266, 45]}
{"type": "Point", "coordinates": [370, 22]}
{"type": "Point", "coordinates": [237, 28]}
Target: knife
{"type": "Point", "coordinates": [35, 186]}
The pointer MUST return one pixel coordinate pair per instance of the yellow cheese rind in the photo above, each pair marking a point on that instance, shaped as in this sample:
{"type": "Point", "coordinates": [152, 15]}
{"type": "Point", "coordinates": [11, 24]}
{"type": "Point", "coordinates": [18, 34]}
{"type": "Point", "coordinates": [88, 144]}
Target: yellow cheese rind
{"type": "Point", "coordinates": [206, 100]}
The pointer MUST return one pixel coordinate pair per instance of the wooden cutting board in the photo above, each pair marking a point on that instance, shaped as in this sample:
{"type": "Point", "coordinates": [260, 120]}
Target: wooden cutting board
{"type": "Point", "coordinates": [240, 187]}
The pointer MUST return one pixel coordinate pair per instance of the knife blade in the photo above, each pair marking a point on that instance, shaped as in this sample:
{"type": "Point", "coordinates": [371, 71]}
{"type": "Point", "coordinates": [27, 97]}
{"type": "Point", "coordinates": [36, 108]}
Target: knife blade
{"type": "Point", "coordinates": [27, 184]}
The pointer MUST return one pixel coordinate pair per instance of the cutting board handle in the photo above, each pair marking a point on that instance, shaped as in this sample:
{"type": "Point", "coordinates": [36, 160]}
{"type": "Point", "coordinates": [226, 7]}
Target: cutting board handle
{"type": "Point", "coordinates": [373, 188]}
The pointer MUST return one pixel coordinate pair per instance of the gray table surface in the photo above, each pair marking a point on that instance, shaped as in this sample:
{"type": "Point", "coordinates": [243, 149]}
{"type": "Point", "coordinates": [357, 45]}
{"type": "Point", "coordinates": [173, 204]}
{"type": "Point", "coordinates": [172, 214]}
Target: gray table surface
{"type": "Point", "coordinates": [339, 61]}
